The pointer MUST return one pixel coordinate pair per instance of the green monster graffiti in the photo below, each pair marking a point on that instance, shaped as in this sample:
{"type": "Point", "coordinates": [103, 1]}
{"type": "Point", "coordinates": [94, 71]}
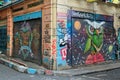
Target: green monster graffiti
{"type": "Point", "coordinates": [94, 41]}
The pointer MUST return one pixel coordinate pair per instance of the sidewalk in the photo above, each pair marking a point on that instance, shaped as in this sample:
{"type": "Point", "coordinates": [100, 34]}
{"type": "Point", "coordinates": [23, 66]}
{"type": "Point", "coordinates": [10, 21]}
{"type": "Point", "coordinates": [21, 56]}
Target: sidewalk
{"type": "Point", "coordinates": [90, 69]}
{"type": "Point", "coordinates": [31, 68]}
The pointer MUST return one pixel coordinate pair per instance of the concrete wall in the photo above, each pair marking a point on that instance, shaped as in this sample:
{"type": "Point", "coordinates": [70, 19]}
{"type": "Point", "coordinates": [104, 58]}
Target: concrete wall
{"type": "Point", "coordinates": [63, 6]}
{"type": "Point", "coordinates": [48, 34]}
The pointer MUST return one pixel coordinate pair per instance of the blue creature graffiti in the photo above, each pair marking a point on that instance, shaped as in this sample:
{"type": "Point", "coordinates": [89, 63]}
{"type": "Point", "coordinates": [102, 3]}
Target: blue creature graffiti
{"type": "Point", "coordinates": [25, 37]}
{"type": "Point", "coordinates": [27, 40]}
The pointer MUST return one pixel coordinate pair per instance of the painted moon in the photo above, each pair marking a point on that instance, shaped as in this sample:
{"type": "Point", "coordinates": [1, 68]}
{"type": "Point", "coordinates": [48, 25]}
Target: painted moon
{"type": "Point", "coordinates": [77, 25]}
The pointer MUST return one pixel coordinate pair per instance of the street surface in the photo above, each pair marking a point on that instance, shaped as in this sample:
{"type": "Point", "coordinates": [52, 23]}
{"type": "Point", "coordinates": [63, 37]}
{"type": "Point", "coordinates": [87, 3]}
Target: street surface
{"type": "Point", "coordinates": [7, 73]}
{"type": "Point", "coordinates": [105, 75]}
{"type": "Point", "coordinates": [10, 74]}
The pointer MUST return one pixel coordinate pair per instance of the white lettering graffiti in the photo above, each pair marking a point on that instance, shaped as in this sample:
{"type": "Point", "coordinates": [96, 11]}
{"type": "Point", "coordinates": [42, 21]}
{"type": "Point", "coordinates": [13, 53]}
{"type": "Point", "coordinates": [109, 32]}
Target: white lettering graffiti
{"type": "Point", "coordinates": [82, 15]}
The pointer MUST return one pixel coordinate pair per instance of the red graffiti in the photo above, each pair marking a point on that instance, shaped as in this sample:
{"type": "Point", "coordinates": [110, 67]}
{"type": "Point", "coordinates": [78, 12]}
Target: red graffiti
{"type": "Point", "coordinates": [54, 46]}
{"type": "Point", "coordinates": [64, 53]}
{"type": "Point", "coordinates": [61, 23]}
{"type": "Point", "coordinates": [94, 58]}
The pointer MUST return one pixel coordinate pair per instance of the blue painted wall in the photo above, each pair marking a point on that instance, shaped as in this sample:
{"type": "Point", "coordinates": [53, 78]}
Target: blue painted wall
{"type": "Point", "coordinates": [28, 16]}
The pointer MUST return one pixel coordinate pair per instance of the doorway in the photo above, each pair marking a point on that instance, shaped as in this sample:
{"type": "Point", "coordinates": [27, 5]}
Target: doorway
{"type": "Point", "coordinates": [27, 40]}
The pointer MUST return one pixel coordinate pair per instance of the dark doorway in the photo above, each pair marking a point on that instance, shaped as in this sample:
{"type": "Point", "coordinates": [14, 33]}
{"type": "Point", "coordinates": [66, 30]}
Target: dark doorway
{"type": "Point", "coordinates": [3, 39]}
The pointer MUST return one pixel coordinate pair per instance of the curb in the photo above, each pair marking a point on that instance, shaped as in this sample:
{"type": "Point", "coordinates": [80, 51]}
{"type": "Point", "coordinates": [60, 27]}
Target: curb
{"type": "Point", "coordinates": [17, 67]}
{"type": "Point", "coordinates": [88, 70]}
{"type": "Point", "coordinates": [25, 69]}
{"type": "Point", "coordinates": [71, 72]}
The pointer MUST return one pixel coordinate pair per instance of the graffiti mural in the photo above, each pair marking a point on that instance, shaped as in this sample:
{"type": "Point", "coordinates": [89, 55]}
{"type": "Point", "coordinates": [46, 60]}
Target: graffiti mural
{"type": "Point", "coordinates": [53, 46]}
{"type": "Point", "coordinates": [27, 40]}
{"type": "Point", "coordinates": [62, 38]}
{"type": "Point", "coordinates": [118, 43]}
{"type": "Point", "coordinates": [118, 36]}
{"type": "Point", "coordinates": [91, 38]}
{"type": "Point", "coordinates": [63, 30]}
{"type": "Point", "coordinates": [94, 41]}
{"type": "Point", "coordinates": [63, 52]}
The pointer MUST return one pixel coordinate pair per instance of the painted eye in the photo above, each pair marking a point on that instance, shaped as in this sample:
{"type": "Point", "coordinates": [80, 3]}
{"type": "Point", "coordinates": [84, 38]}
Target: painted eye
{"type": "Point", "coordinates": [91, 28]}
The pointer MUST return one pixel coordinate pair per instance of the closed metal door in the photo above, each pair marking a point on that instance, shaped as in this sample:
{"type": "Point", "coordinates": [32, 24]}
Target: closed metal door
{"type": "Point", "coordinates": [27, 40]}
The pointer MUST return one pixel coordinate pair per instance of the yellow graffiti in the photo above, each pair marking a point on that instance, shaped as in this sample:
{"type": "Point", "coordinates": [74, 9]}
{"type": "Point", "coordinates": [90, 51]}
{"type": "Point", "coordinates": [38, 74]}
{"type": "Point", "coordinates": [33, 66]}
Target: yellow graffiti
{"type": "Point", "coordinates": [91, 0]}
{"type": "Point", "coordinates": [110, 48]}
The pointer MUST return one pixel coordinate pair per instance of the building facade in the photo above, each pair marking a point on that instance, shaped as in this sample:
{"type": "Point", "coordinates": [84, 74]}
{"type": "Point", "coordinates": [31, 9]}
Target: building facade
{"type": "Point", "coordinates": [60, 34]}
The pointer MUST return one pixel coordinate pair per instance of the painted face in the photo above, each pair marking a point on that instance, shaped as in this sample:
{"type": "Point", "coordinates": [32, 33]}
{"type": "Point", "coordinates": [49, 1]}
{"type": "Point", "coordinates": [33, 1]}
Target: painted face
{"type": "Point", "coordinates": [95, 36]}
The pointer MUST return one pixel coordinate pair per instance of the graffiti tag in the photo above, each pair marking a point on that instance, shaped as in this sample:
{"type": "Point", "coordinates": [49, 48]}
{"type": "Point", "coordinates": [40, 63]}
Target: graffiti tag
{"type": "Point", "coordinates": [64, 53]}
{"type": "Point", "coordinates": [47, 35]}
{"type": "Point", "coordinates": [54, 46]}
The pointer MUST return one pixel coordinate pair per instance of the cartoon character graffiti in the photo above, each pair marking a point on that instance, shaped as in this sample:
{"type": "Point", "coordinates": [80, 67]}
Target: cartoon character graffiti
{"type": "Point", "coordinates": [94, 41]}
{"type": "Point", "coordinates": [63, 30]}
{"type": "Point", "coordinates": [25, 38]}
